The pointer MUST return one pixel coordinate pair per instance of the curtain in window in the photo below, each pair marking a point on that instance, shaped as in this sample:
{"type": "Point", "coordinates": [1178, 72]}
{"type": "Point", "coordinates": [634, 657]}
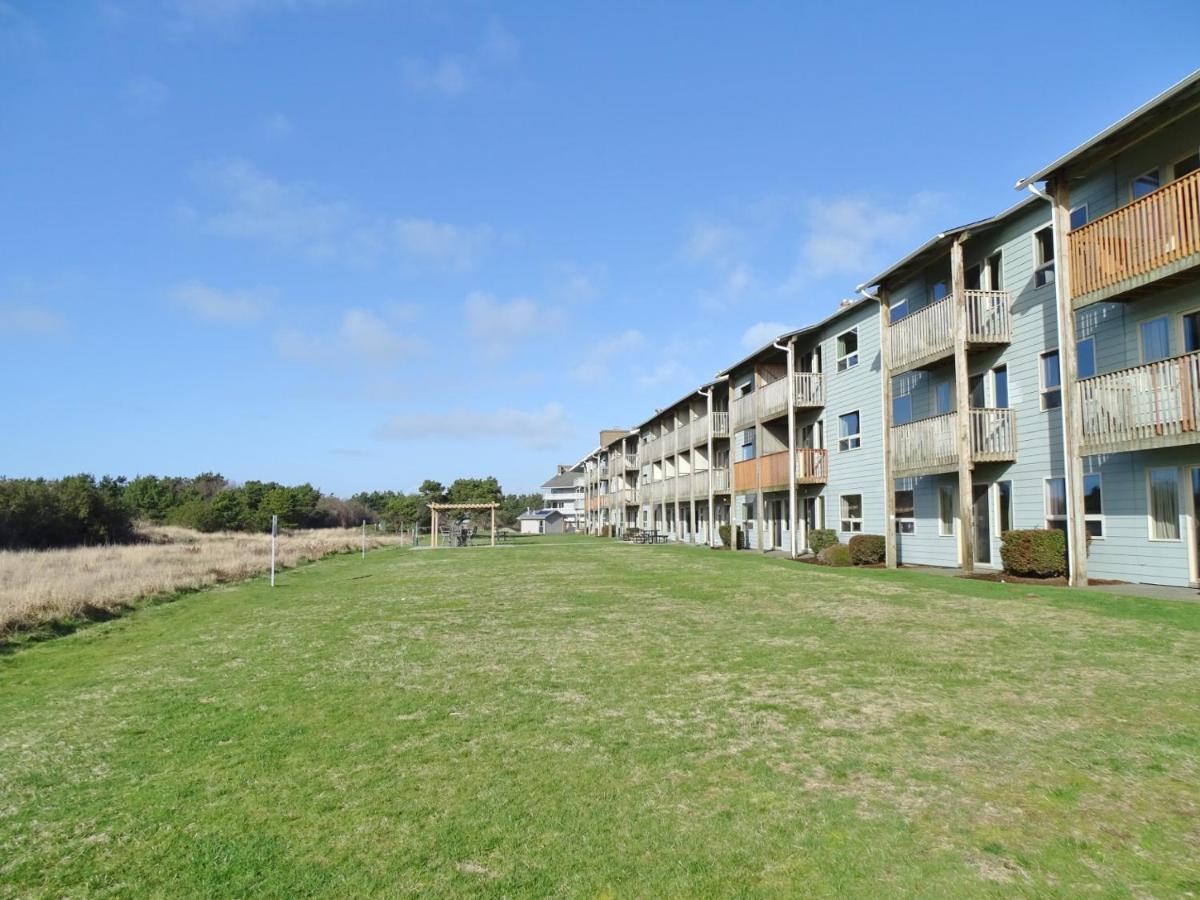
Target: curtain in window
{"type": "Point", "coordinates": [1156, 340]}
{"type": "Point", "coordinates": [1164, 503]}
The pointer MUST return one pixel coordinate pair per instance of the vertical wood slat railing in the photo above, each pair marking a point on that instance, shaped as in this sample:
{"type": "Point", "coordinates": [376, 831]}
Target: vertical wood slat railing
{"type": "Point", "coordinates": [1141, 404]}
{"type": "Point", "coordinates": [720, 424]}
{"type": "Point", "coordinates": [810, 388]}
{"type": "Point", "coordinates": [921, 334]}
{"type": "Point", "coordinates": [989, 317]}
{"type": "Point", "coordinates": [926, 443]}
{"type": "Point", "coordinates": [743, 410]}
{"type": "Point", "coordinates": [699, 484]}
{"type": "Point", "coordinates": [812, 465]}
{"type": "Point", "coordinates": [993, 435]}
{"type": "Point", "coordinates": [720, 479]}
{"type": "Point", "coordinates": [1152, 231]}
{"type": "Point", "coordinates": [772, 398]}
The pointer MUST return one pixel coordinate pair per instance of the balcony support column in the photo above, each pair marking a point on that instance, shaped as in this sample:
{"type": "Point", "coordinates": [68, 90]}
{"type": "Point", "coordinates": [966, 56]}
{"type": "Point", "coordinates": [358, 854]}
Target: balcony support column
{"type": "Point", "coordinates": [889, 480]}
{"type": "Point", "coordinates": [1069, 371]}
{"type": "Point", "coordinates": [966, 493]}
{"type": "Point", "coordinates": [793, 529]}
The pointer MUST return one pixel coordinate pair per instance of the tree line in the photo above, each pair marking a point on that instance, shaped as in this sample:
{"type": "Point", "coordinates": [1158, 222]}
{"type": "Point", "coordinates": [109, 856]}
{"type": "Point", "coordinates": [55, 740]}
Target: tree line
{"type": "Point", "coordinates": [39, 513]}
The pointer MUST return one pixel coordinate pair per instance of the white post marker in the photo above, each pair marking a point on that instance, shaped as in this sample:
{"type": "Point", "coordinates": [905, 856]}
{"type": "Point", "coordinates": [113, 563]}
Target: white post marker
{"type": "Point", "coordinates": [274, 531]}
{"type": "Point", "coordinates": [364, 540]}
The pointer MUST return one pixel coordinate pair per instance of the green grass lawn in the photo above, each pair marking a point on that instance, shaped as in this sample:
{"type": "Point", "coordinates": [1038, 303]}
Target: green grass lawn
{"type": "Point", "coordinates": [581, 717]}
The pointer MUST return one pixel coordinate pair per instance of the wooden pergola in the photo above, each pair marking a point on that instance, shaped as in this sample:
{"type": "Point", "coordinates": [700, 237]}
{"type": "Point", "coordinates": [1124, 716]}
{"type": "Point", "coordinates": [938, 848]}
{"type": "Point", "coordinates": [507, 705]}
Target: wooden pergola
{"type": "Point", "coordinates": [438, 508]}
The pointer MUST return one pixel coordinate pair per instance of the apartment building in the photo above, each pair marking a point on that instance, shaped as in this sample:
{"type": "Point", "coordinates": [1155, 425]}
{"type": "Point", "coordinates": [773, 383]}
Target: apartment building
{"type": "Point", "coordinates": [1036, 369]}
{"type": "Point", "coordinates": [564, 492]}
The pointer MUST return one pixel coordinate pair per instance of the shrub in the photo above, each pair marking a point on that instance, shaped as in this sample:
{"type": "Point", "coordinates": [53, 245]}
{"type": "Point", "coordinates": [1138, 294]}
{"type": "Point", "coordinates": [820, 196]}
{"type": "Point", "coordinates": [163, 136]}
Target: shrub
{"type": "Point", "coordinates": [725, 532]}
{"type": "Point", "coordinates": [606, 531]}
{"type": "Point", "coordinates": [1034, 552]}
{"type": "Point", "coordinates": [835, 555]}
{"type": "Point", "coordinates": [867, 549]}
{"type": "Point", "coordinates": [820, 538]}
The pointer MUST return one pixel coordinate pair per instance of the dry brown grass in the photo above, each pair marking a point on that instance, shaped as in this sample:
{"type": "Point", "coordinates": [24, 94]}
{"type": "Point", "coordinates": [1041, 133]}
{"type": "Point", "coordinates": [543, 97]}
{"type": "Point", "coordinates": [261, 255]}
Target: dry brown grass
{"type": "Point", "coordinates": [41, 587]}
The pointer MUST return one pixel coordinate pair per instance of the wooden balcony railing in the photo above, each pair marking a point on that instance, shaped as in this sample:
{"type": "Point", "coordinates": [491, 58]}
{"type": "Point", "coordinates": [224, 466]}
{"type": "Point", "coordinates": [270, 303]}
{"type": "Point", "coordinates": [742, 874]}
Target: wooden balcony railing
{"type": "Point", "coordinates": [745, 475]}
{"type": "Point", "coordinates": [683, 438]}
{"type": "Point", "coordinates": [993, 435]}
{"type": "Point", "coordinates": [928, 334]}
{"type": "Point", "coordinates": [1153, 405]}
{"type": "Point", "coordinates": [810, 389]}
{"type": "Point", "coordinates": [925, 445]}
{"type": "Point", "coordinates": [743, 410]}
{"type": "Point", "coordinates": [812, 465]}
{"type": "Point", "coordinates": [772, 399]}
{"type": "Point", "coordinates": [720, 479]}
{"type": "Point", "coordinates": [1154, 235]}
{"type": "Point", "coordinates": [666, 444]}
{"type": "Point", "coordinates": [700, 430]}
{"type": "Point", "coordinates": [720, 424]}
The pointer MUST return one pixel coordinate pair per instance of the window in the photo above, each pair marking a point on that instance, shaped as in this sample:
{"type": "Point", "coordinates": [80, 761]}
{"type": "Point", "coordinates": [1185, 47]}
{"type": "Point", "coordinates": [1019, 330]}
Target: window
{"type": "Point", "coordinates": [973, 279]}
{"type": "Point", "coordinates": [1051, 381]}
{"type": "Point", "coordinates": [994, 272]}
{"type": "Point", "coordinates": [1155, 336]}
{"type": "Point", "coordinates": [902, 410]}
{"type": "Point", "coordinates": [849, 431]}
{"type": "Point", "coordinates": [942, 398]}
{"type": "Point", "coordinates": [1085, 358]}
{"type": "Point", "coordinates": [1043, 256]}
{"type": "Point", "coordinates": [976, 392]}
{"type": "Point", "coordinates": [847, 350]}
{"type": "Point", "coordinates": [1093, 508]}
{"type": "Point", "coordinates": [905, 519]}
{"type": "Point", "coordinates": [808, 436]}
{"type": "Point", "coordinates": [1000, 387]}
{"type": "Point", "coordinates": [852, 512]}
{"type": "Point", "coordinates": [1004, 505]}
{"type": "Point", "coordinates": [898, 310]}
{"type": "Point", "coordinates": [745, 444]}
{"type": "Point", "coordinates": [1079, 217]}
{"type": "Point", "coordinates": [945, 510]}
{"type": "Point", "coordinates": [1187, 165]}
{"type": "Point", "coordinates": [1191, 332]}
{"type": "Point", "coordinates": [1143, 185]}
{"type": "Point", "coordinates": [939, 290]}
{"type": "Point", "coordinates": [745, 386]}
{"type": "Point", "coordinates": [1056, 503]}
{"type": "Point", "coordinates": [1164, 504]}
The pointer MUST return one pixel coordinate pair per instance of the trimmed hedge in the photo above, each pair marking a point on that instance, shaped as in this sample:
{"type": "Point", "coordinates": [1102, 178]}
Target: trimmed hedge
{"type": "Point", "coordinates": [1034, 552]}
{"type": "Point", "coordinates": [867, 549]}
{"type": "Point", "coordinates": [724, 531]}
{"type": "Point", "coordinates": [820, 538]}
{"type": "Point", "coordinates": [835, 555]}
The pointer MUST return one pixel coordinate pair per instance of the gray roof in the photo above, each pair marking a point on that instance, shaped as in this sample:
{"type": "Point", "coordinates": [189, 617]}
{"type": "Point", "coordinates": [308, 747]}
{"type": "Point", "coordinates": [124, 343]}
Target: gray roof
{"type": "Point", "coordinates": [688, 396]}
{"type": "Point", "coordinates": [1159, 111]}
{"type": "Point", "coordinates": [566, 479]}
{"type": "Point", "coordinates": [540, 514]}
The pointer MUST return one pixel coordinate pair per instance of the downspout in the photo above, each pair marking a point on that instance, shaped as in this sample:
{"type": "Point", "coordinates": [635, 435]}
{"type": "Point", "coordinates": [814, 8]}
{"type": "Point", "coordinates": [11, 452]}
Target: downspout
{"type": "Point", "coordinates": [791, 417]}
{"type": "Point", "coordinates": [1068, 467]}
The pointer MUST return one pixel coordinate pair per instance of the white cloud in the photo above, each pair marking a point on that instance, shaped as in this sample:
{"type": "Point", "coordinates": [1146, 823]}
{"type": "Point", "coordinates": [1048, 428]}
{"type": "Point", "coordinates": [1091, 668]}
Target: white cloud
{"type": "Point", "coordinates": [26, 320]}
{"type": "Point", "coordinates": [539, 428]}
{"type": "Point", "coordinates": [669, 372]}
{"type": "Point", "coordinates": [761, 333]}
{"type": "Point", "coordinates": [709, 241]}
{"type": "Point", "coordinates": [720, 247]}
{"type": "Point", "coordinates": [211, 304]}
{"type": "Point", "coordinates": [453, 75]}
{"type": "Point", "coordinates": [277, 125]}
{"type": "Point", "coordinates": [596, 364]}
{"type": "Point", "coordinates": [148, 93]}
{"type": "Point", "coordinates": [848, 235]}
{"type": "Point", "coordinates": [253, 206]}
{"type": "Point", "coordinates": [499, 328]}
{"type": "Point", "coordinates": [362, 337]}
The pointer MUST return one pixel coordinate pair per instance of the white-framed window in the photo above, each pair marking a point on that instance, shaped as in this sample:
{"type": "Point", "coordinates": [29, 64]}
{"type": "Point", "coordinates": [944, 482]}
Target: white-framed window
{"type": "Point", "coordinates": [1093, 505]}
{"type": "Point", "coordinates": [1154, 338]}
{"type": "Point", "coordinates": [1004, 507]}
{"type": "Point", "coordinates": [744, 386]}
{"type": "Point", "coordinates": [906, 521]}
{"type": "Point", "coordinates": [851, 520]}
{"type": "Point", "coordinates": [1146, 183]}
{"type": "Point", "coordinates": [1162, 503]}
{"type": "Point", "coordinates": [902, 412]}
{"type": "Point", "coordinates": [847, 350]}
{"type": "Point", "coordinates": [849, 431]}
{"type": "Point", "coordinates": [1051, 380]}
{"type": "Point", "coordinates": [1000, 387]}
{"type": "Point", "coordinates": [898, 310]}
{"type": "Point", "coordinates": [945, 510]}
{"type": "Point", "coordinates": [1056, 503]}
{"type": "Point", "coordinates": [744, 442]}
{"type": "Point", "coordinates": [1079, 216]}
{"type": "Point", "coordinates": [1043, 256]}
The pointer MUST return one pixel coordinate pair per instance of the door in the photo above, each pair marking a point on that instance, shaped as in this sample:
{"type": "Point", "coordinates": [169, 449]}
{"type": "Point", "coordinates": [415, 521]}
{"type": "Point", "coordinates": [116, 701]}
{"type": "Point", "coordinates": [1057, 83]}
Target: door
{"type": "Point", "coordinates": [1196, 525]}
{"type": "Point", "coordinates": [777, 524]}
{"type": "Point", "coordinates": [983, 526]}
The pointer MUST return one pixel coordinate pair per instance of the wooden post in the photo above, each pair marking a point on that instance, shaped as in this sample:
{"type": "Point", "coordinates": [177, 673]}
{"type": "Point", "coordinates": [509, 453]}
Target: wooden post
{"type": "Point", "coordinates": [433, 530]}
{"type": "Point", "coordinates": [493, 526]}
{"type": "Point", "coordinates": [889, 480]}
{"type": "Point", "coordinates": [1068, 360]}
{"type": "Point", "coordinates": [793, 531]}
{"type": "Point", "coordinates": [966, 498]}
{"type": "Point", "coordinates": [712, 468]}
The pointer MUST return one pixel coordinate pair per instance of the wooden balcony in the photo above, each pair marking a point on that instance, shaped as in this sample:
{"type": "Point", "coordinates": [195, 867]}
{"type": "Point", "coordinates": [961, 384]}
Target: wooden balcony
{"type": "Point", "coordinates": [927, 335]}
{"type": "Point", "coordinates": [720, 424]}
{"type": "Point", "coordinates": [720, 480]}
{"type": "Point", "coordinates": [745, 476]}
{"type": "Point", "coordinates": [930, 446]}
{"type": "Point", "coordinates": [774, 470]}
{"type": "Point", "coordinates": [1143, 407]}
{"type": "Point", "coordinates": [683, 438]}
{"type": "Point", "coordinates": [812, 466]}
{"type": "Point", "coordinates": [743, 410]}
{"type": "Point", "coordinates": [810, 389]}
{"type": "Point", "coordinates": [1153, 238]}
{"type": "Point", "coordinates": [700, 431]}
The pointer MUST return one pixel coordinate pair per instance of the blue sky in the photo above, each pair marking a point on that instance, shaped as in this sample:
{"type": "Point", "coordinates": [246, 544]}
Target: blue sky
{"type": "Point", "coordinates": [361, 243]}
